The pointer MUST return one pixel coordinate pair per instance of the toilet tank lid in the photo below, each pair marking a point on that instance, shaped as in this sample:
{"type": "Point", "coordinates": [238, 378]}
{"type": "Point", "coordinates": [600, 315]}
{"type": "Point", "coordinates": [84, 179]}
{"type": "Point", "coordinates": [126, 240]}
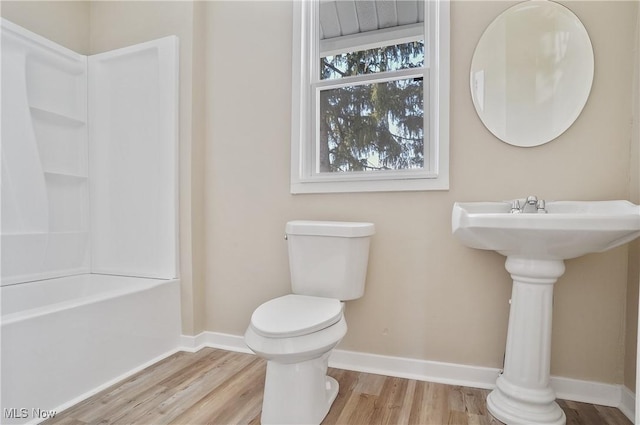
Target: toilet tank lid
{"type": "Point", "coordinates": [345, 229]}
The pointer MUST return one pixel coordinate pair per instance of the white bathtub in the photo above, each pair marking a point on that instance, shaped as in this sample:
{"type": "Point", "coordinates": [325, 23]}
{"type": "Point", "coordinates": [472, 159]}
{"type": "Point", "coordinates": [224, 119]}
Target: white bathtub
{"type": "Point", "coordinates": [64, 339]}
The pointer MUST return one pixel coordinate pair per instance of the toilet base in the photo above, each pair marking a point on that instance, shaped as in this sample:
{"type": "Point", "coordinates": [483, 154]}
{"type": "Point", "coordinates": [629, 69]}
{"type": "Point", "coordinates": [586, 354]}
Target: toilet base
{"type": "Point", "coordinates": [298, 393]}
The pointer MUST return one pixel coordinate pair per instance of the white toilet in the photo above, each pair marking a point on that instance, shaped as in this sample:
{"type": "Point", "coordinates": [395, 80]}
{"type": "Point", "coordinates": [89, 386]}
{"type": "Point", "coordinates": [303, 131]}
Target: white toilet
{"type": "Point", "coordinates": [296, 332]}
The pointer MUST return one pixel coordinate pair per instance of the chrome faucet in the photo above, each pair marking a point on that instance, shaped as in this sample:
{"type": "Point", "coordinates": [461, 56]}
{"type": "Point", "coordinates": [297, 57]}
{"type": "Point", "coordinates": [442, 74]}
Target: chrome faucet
{"type": "Point", "coordinates": [541, 206]}
{"type": "Point", "coordinates": [531, 201]}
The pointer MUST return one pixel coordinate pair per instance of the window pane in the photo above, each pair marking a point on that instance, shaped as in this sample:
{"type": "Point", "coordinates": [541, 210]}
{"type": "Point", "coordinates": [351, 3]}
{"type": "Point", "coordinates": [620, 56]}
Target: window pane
{"type": "Point", "coordinates": [372, 127]}
{"type": "Point", "coordinates": [381, 59]}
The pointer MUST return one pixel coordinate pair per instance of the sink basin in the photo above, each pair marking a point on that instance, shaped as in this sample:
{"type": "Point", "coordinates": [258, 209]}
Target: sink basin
{"type": "Point", "coordinates": [569, 229]}
{"type": "Point", "coordinates": [536, 246]}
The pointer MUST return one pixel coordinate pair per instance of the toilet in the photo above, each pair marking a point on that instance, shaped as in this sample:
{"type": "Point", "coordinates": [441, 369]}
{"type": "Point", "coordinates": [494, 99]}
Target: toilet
{"type": "Point", "coordinates": [295, 333]}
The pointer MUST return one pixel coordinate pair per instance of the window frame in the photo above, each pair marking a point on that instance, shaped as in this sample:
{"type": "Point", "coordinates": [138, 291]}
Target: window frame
{"type": "Point", "coordinates": [305, 98]}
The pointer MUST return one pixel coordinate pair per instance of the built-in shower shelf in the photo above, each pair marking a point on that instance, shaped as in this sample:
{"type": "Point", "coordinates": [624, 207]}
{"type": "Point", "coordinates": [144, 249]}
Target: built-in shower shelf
{"type": "Point", "coordinates": [44, 234]}
{"type": "Point", "coordinates": [23, 233]}
{"type": "Point", "coordinates": [65, 176]}
{"type": "Point", "coordinates": [55, 117]}
{"type": "Point", "coordinates": [79, 233]}
{"type": "Point", "coordinates": [78, 196]}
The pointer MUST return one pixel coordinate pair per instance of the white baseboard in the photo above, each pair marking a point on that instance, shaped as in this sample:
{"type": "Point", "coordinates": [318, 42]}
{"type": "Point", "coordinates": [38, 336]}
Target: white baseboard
{"type": "Point", "coordinates": [214, 340]}
{"type": "Point", "coordinates": [628, 404]}
{"type": "Point", "coordinates": [612, 395]}
{"type": "Point", "coordinates": [421, 370]}
{"type": "Point", "coordinates": [587, 391]}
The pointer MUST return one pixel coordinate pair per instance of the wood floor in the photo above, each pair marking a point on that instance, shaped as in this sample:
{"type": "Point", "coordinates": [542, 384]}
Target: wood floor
{"type": "Point", "coordinates": [220, 387]}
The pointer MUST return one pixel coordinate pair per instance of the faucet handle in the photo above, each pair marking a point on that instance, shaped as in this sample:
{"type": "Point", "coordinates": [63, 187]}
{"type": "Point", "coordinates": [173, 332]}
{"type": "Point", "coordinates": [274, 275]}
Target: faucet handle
{"type": "Point", "coordinates": [515, 207]}
{"type": "Point", "coordinates": [541, 206]}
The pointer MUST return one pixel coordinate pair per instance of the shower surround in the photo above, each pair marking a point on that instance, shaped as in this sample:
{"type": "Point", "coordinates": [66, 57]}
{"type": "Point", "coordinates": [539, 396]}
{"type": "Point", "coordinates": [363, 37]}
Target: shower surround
{"type": "Point", "coordinates": [89, 286]}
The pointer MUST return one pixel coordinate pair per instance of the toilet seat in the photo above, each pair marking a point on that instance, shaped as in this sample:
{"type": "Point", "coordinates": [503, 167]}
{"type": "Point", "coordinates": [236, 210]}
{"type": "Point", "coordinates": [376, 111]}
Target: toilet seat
{"type": "Point", "coordinates": [295, 315]}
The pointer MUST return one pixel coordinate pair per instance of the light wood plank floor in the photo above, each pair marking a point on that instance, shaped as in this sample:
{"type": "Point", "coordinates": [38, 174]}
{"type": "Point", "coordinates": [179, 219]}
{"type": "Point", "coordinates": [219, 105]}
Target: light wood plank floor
{"type": "Point", "coordinates": [220, 387]}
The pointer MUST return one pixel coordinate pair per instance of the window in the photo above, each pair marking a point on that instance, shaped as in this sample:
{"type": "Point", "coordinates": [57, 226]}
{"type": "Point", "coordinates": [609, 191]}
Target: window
{"type": "Point", "coordinates": [370, 96]}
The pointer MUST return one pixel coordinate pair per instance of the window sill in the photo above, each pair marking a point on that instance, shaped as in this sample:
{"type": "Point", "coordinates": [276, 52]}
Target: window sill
{"type": "Point", "coordinates": [388, 185]}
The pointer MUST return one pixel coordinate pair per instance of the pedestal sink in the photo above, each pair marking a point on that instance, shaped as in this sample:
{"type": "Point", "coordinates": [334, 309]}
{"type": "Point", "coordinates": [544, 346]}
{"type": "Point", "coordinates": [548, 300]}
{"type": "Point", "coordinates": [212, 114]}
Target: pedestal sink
{"type": "Point", "coordinates": [536, 245]}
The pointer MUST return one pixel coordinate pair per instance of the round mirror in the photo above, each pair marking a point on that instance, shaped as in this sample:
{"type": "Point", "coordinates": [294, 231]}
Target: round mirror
{"type": "Point", "coordinates": [531, 73]}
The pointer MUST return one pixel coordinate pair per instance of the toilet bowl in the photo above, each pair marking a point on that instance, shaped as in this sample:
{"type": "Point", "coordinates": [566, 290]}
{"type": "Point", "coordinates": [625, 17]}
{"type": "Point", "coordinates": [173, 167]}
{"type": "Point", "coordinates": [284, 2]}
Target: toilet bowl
{"type": "Point", "coordinates": [297, 348]}
{"type": "Point", "coordinates": [295, 333]}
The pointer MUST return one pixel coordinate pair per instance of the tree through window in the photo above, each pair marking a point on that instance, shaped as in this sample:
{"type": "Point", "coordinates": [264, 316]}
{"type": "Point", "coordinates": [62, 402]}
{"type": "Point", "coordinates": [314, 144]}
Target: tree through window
{"type": "Point", "coordinates": [372, 126]}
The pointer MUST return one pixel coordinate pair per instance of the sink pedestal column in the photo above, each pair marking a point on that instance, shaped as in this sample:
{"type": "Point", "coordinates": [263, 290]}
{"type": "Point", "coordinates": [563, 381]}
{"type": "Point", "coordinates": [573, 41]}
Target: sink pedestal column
{"type": "Point", "coordinates": [523, 394]}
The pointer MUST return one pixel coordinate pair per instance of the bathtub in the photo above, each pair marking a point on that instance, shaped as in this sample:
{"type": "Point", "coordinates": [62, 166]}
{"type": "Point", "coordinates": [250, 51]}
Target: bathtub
{"type": "Point", "coordinates": [64, 339]}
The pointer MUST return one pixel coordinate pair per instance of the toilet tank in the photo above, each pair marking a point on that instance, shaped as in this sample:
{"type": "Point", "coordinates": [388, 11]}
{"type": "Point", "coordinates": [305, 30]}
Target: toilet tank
{"type": "Point", "coordinates": [329, 258]}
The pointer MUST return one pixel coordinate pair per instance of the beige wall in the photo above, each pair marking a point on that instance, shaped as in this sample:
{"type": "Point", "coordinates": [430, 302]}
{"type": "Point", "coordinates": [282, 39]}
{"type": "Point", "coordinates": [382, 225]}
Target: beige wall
{"type": "Point", "coordinates": [65, 22]}
{"type": "Point", "coordinates": [427, 297]}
